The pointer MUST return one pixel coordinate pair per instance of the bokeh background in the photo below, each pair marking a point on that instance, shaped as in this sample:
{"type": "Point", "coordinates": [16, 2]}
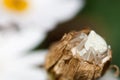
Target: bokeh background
{"type": "Point", "coordinates": [29, 27]}
{"type": "Point", "coordinates": [101, 15]}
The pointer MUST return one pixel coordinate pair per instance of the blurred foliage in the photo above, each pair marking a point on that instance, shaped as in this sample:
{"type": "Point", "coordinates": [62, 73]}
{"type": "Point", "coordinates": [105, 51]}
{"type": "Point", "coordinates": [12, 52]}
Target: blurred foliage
{"type": "Point", "coordinates": [101, 15]}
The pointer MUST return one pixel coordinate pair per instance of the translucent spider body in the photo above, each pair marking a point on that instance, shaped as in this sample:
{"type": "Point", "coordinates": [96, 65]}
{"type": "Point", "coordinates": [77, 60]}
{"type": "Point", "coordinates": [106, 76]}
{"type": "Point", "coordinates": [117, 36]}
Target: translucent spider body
{"type": "Point", "coordinates": [90, 55]}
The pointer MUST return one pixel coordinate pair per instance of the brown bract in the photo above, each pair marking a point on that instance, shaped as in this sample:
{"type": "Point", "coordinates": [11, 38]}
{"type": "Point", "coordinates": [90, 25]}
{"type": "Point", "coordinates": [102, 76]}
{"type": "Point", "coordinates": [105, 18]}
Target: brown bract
{"type": "Point", "coordinates": [61, 63]}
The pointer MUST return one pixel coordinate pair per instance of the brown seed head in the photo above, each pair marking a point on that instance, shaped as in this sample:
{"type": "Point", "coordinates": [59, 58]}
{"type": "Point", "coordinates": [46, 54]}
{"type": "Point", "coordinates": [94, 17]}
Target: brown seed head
{"type": "Point", "coordinates": [77, 56]}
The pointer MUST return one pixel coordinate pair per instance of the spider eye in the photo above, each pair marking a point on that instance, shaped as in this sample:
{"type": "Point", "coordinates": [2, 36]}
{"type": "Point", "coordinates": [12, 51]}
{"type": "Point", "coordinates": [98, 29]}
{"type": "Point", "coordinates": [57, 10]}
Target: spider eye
{"type": "Point", "coordinates": [16, 5]}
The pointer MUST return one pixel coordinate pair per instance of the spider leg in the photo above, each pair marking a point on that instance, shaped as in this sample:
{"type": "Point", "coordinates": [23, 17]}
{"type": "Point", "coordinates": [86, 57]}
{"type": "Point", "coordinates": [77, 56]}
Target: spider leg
{"type": "Point", "coordinates": [89, 56]}
{"type": "Point", "coordinates": [81, 44]}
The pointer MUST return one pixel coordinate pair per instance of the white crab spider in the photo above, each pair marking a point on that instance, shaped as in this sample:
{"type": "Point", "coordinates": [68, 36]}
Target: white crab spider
{"type": "Point", "coordinates": [91, 47]}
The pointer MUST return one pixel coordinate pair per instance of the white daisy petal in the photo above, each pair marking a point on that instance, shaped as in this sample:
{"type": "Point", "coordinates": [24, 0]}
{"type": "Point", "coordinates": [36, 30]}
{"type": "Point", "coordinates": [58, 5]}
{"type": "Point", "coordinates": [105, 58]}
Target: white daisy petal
{"type": "Point", "coordinates": [26, 74]}
{"type": "Point", "coordinates": [34, 58]}
{"type": "Point", "coordinates": [67, 10]}
{"type": "Point", "coordinates": [20, 42]}
{"type": "Point", "coordinates": [25, 68]}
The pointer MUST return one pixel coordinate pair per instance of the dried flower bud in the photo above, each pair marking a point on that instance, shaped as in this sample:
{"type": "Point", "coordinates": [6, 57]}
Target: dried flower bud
{"type": "Point", "coordinates": [82, 55]}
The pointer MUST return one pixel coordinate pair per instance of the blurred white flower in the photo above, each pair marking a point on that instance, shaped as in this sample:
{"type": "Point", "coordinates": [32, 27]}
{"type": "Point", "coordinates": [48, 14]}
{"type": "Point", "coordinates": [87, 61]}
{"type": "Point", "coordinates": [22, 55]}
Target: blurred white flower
{"type": "Point", "coordinates": [23, 25]}
{"type": "Point", "coordinates": [44, 14]}
{"type": "Point", "coordinates": [23, 68]}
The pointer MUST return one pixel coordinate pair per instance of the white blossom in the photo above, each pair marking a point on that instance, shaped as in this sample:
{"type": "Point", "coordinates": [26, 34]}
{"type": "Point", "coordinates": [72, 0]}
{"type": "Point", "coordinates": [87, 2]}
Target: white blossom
{"type": "Point", "coordinates": [24, 67]}
{"type": "Point", "coordinates": [23, 30]}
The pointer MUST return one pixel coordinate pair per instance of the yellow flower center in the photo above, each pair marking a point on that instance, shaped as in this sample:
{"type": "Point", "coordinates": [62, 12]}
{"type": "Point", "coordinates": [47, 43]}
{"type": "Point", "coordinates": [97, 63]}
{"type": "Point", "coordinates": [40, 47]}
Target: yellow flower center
{"type": "Point", "coordinates": [16, 5]}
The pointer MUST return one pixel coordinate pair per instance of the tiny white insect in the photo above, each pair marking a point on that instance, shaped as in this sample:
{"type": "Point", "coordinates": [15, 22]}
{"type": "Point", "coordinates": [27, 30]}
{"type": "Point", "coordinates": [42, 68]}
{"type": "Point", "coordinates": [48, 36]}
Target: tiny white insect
{"type": "Point", "coordinates": [92, 48]}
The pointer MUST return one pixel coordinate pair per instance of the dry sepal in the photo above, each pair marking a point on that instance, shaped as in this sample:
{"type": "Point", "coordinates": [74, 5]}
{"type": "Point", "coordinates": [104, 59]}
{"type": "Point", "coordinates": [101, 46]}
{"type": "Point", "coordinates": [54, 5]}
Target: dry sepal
{"type": "Point", "coordinates": [82, 55]}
